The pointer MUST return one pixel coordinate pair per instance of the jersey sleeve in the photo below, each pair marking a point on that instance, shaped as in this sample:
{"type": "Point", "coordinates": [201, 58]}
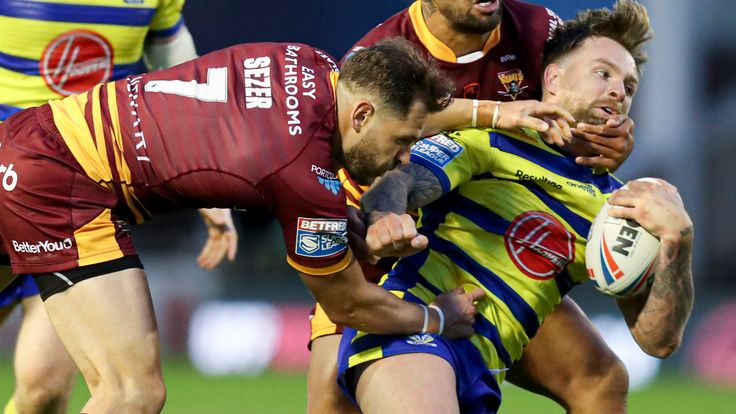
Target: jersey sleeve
{"type": "Point", "coordinates": [456, 157]}
{"type": "Point", "coordinates": [167, 20]}
{"type": "Point", "coordinates": [313, 214]}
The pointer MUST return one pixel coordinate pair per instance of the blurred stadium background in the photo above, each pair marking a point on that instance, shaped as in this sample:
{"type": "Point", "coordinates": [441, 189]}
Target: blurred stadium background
{"type": "Point", "coordinates": [234, 339]}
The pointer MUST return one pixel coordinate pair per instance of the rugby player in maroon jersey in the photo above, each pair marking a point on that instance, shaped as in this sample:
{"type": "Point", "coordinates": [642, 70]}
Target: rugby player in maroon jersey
{"type": "Point", "coordinates": [250, 126]}
{"type": "Point", "coordinates": [492, 50]}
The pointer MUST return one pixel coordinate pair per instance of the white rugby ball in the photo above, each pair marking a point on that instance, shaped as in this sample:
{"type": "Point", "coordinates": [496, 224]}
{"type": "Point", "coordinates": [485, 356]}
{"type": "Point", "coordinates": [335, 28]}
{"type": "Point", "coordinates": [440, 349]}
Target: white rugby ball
{"type": "Point", "coordinates": [620, 255]}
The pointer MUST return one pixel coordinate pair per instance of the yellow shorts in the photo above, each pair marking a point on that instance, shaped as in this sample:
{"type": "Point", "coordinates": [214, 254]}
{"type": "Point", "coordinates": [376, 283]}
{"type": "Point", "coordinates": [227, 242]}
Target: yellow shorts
{"type": "Point", "coordinates": [322, 325]}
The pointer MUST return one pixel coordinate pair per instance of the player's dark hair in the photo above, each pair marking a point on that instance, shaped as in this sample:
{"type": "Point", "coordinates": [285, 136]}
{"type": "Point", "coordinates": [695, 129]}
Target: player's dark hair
{"type": "Point", "coordinates": [627, 24]}
{"type": "Point", "coordinates": [394, 71]}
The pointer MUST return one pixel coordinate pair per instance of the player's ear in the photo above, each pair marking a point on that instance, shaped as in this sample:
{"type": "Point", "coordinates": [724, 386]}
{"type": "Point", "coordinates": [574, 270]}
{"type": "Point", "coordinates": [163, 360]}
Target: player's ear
{"type": "Point", "coordinates": [552, 78]}
{"type": "Point", "coordinates": [362, 112]}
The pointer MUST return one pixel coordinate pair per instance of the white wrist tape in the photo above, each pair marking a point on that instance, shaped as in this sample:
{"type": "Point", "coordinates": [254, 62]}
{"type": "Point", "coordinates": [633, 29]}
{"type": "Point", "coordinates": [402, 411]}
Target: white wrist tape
{"type": "Point", "coordinates": [474, 118]}
{"type": "Point", "coordinates": [495, 114]}
{"type": "Point", "coordinates": [442, 318]}
{"type": "Point", "coordinates": [426, 319]}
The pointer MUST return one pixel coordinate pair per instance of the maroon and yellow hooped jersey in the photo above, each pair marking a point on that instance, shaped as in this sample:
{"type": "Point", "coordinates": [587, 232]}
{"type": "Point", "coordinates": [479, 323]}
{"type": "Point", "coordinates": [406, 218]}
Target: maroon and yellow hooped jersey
{"type": "Point", "coordinates": [250, 126]}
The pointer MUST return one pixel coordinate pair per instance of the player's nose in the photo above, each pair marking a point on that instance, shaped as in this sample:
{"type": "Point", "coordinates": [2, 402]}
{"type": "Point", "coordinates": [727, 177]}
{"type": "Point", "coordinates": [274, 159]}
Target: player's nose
{"type": "Point", "coordinates": [617, 91]}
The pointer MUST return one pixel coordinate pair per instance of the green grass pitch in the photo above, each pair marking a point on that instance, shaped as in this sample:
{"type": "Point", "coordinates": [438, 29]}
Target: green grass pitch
{"type": "Point", "coordinates": [284, 393]}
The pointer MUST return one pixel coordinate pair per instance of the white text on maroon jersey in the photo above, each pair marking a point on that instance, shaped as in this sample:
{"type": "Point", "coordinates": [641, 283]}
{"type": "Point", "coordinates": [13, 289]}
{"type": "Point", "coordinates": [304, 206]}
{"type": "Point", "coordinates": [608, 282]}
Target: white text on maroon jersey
{"type": "Point", "coordinates": [257, 79]}
{"type": "Point", "coordinates": [322, 225]}
{"type": "Point", "coordinates": [140, 139]}
{"type": "Point", "coordinates": [294, 88]}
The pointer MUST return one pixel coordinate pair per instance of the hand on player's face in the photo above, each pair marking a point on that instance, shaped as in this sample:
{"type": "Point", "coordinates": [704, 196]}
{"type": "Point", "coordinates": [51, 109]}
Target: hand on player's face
{"type": "Point", "coordinates": [612, 142]}
{"type": "Point", "coordinates": [394, 235]}
{"type": "Point", "coordinates": [550, 119]}
{"type": "Point", "coordinates": [459, 309]}
{"type": "Point", "coordinates": [657, 207]}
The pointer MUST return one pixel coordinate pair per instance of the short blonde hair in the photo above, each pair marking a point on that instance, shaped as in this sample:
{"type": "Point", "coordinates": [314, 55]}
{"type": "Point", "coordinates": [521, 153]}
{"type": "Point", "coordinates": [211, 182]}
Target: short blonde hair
{"type": "Point", "coordinates": [627, 24]}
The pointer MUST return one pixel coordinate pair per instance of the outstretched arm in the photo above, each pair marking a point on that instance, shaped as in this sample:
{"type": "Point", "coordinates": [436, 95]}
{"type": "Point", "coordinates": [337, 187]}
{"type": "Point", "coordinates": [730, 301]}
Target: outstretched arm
{"type": "Point", "coordinates": [348, 299]}
{"type": "Point", "coordinates": [469, 113]}
{"type": "Point", "coordinates": [657, 319]}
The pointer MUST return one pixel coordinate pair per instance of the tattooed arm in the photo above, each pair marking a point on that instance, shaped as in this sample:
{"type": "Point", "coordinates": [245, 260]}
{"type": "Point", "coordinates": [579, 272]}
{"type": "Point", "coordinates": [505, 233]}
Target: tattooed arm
{"type": "Point", "coordinates": [391, 231]}
{"type": "Point", "coordinates": [657, 319]}
{"type": "Point", "coordinates": [406, 188]}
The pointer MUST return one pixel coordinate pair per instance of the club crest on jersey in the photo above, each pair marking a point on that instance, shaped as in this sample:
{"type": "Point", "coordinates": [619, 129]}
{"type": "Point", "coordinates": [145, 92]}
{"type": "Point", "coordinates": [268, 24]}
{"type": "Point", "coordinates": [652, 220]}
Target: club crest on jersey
{"type": "Point", "coordinates": [438, 150]}
{"type": "Point", "coordinates": [512, 83]}
{"type": "Point", "coordinates": [422, 339]}
{"type": "Point", "coordinates": [318, 237]}
{"type": "Point", "coordinates": [327, 178]}
{"type": "Point", "coordinates": [539, 244]}
{"type": "Point", "coordinates": [75, 61]}
{"type": "Point", "coordinates": [471, 90]}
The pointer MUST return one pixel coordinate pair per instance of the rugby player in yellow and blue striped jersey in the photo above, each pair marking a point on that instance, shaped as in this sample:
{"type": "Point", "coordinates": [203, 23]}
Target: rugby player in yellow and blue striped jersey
{"type": "Point", "coordinates": [55, 48]}
{"type": "Point", "coordinates": [507, 212]}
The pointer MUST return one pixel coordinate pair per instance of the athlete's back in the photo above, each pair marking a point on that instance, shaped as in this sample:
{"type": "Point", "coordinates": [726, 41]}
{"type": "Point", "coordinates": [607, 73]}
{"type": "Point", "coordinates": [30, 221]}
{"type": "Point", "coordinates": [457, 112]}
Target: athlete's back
{"type": "Point", "coordinates": [211, 130]}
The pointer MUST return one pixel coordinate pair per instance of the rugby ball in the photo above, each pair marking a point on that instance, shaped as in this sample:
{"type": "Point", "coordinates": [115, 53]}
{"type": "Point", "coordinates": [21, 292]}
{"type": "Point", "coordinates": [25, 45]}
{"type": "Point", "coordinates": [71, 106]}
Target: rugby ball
{"type": "Point", "coordinates": [620, 255]}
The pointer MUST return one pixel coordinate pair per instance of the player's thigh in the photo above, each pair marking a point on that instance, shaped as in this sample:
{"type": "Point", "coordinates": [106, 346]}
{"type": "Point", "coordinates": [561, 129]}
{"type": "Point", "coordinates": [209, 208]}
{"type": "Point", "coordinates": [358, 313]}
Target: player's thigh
{"type": "Point", "coordinates": [40, 357]}
{"type": "Point", "coordinates": [107, 324]}
{"type": "Point", "coordinates": [407, 384]}
{"type": "Point", "coordinates": [569, 332]}
{"type": "Point", "coordinates": [324, 396]}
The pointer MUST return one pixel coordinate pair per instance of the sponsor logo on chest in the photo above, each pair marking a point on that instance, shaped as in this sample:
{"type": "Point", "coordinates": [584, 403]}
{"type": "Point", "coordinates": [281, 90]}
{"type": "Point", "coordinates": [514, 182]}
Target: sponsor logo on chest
{"type": "Point", "coordinates": [539, 244]}
{"type": "Point", "coordinates": [75, 61]}
{"type": "Point", "coordinates": [512, 81]}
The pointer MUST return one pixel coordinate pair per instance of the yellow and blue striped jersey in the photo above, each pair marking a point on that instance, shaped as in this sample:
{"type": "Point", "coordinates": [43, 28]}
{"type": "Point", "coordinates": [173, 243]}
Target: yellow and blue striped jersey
{"type": "Point", "coordinates": [54, 48]}
{"type": "Point", "coordinates": [514, 219]}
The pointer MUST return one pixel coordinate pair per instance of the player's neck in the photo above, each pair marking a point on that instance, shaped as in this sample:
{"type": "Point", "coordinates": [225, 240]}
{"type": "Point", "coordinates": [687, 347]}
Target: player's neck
{"type": "Point", "coordinates": [460, 43]}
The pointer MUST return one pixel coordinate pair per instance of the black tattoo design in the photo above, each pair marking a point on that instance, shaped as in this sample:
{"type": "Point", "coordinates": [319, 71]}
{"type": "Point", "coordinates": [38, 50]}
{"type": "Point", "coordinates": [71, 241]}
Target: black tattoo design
{"type": "Point", "coordinates": [406, 188]}
{"type": "Point", "coordinates": [667, 308]}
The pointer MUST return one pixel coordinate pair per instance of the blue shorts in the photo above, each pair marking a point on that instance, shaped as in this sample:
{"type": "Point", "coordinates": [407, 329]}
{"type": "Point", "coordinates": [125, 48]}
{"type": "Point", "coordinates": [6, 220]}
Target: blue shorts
{"type": "Point", "coordinates": [477, 389]}
{"type": "Point", "coordinates": [20, 288]}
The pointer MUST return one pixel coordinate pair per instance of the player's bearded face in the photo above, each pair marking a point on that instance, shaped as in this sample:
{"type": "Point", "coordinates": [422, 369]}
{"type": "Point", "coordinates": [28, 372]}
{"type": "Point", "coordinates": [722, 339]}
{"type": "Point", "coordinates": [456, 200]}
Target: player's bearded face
{"type": "Point", "coordinates": [471, 16]}
{"type": "Point", "coordinates": [363, 162]}
{"type": "Point", "coordinates": [597, 81]}
{"type": "Point", "coordinates": [384, 143]}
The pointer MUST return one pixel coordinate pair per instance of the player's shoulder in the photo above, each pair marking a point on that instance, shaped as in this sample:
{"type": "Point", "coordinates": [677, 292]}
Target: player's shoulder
{"type": "Point", "coordinates": [271, 51]}
{"type": "Point", "coordinates": [534, 22]}
{"type": "Point", "coordinates": [524, 142]}
{"type": "Point", "coordinates": [397, 25]}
